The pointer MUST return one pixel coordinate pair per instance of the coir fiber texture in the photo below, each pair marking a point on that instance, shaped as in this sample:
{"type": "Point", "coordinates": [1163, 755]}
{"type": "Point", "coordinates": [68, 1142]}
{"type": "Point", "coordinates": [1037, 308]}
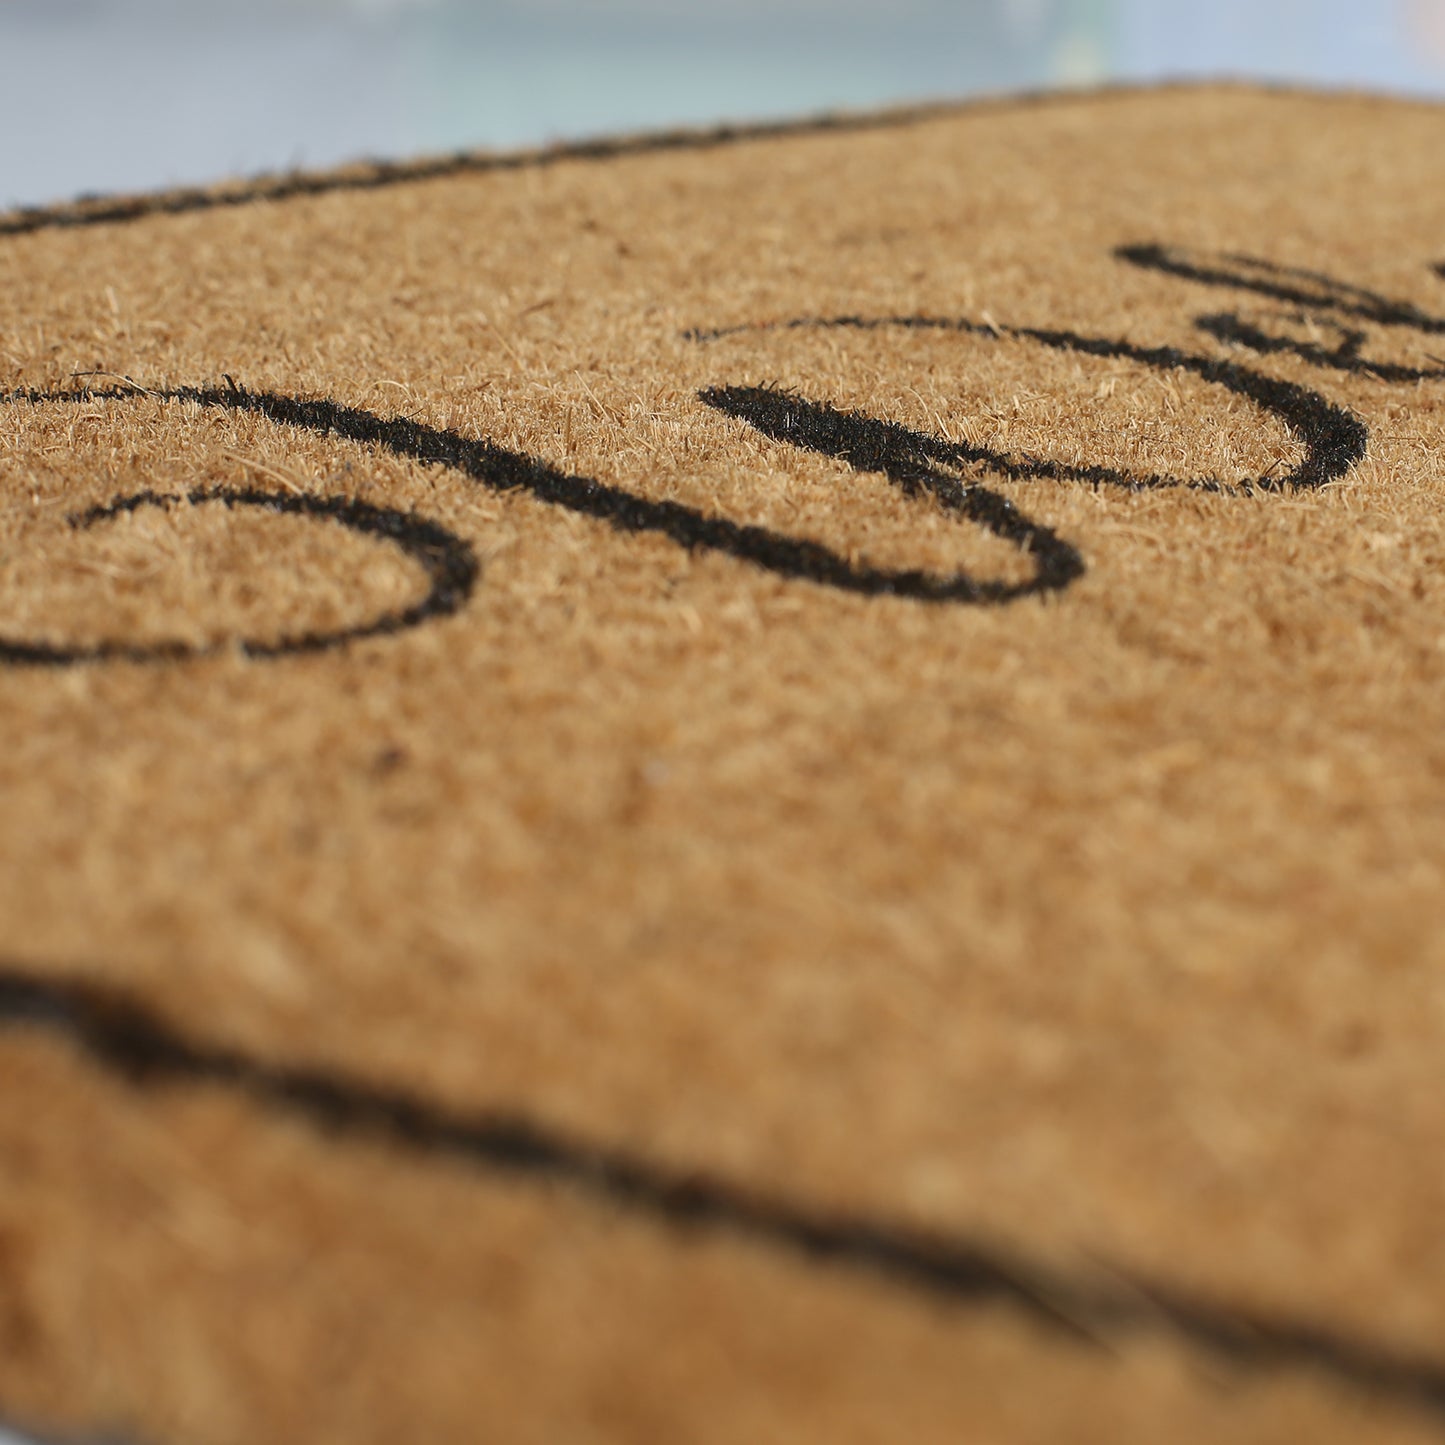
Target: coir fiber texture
{"type": "Point", "coordinates": [774, 787]}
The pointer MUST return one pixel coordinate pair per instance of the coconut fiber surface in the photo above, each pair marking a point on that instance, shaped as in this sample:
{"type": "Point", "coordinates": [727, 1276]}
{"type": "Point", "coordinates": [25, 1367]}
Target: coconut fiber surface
{"type": "Point", "coordinates": [778, 787]}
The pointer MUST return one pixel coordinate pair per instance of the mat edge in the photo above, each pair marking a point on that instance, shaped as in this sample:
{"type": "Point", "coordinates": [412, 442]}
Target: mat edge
{"type": "Point", "coordinates": [362, 175]}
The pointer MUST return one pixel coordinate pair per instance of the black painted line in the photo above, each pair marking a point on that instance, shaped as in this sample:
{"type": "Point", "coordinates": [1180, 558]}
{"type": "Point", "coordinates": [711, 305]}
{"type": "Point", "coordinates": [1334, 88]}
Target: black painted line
{"type": "Point", "coordinates": [449, 563]}
{"type": "Point", "coordinates": [1346, 356]}
{"type": "Point", "coordinates": [1334, 441]}
{"type": "Point", "coordinates": [1333, 438]}
{"type": "Point", "coordinates": [381, 175]}
{"type": "Point", "coordinates": [905, 458]}
{"type": "Point", "coordinates": [126, 1040]}
{"type": "Point", "coordinates": [1307, 289]}
{"type": "Point", "coordinates": [377, 175]}
{"type": "Point", "coordinates": [1320, 298]}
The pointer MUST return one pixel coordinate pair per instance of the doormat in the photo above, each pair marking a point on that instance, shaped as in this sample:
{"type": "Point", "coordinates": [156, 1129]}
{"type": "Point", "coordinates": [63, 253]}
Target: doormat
{"type": "Point", "coordinates": [783, 785]}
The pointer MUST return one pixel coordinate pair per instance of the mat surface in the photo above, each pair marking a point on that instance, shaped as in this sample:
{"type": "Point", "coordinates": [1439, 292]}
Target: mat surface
{"type": "Point", "coordinates": [781, 788]}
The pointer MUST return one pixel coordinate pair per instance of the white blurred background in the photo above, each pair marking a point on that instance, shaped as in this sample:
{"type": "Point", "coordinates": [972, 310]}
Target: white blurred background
{"type": "Point", "coordinates": [117, 95]}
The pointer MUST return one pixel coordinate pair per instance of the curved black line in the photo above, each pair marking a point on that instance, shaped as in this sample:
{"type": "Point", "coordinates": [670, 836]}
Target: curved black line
{"type": "Point", "coordinates": [449, 562]}
{"type": "Point", "coordinates": [1346, 356]}
{"type": "Point", "coordinates": [869, 445]}
{"type": "Point", "coordinates": [506, 471]}
{"type": "Point", "coordinates": [1282, 283]}
{"type": "Point", "coordinates": [115, 1033]}
{"type": "Point", "coordinates": [1334, 439]}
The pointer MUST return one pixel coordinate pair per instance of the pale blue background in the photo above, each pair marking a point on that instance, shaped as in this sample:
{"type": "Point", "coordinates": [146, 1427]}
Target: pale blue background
{"type": "Point", "coordinates": [106, 95]}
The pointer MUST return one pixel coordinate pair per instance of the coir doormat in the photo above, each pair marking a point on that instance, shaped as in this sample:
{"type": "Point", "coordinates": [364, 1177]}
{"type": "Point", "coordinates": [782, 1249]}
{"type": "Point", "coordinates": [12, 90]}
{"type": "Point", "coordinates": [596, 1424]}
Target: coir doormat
{"type": "Point", "coordinates": [780, 787]}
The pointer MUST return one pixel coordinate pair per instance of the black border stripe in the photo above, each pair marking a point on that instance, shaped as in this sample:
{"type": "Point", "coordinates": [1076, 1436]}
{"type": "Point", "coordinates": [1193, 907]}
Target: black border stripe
{"type": "Point", "coordinates": [377, 175]}
{"type": "Point", "coordinates": [124, 1038]}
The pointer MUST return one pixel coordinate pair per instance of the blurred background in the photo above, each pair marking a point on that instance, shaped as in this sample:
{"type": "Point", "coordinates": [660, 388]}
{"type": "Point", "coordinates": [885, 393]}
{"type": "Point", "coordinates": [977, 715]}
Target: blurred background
{"type": "Point", "coordinates": [117, 95]}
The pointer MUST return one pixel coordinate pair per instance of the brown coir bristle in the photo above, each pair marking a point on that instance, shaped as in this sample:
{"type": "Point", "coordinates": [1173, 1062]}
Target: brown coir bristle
{"type": "Point", "coordinates": [783, 786]}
